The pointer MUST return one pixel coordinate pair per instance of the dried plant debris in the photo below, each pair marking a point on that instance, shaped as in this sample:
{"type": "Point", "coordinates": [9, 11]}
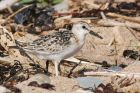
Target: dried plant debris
{"type": "Point", "coordinates": [87, 13]}
{"type": "Point", "coordinates": [131, 54]}
{"type": "Point", "coordinates": [42, 18]}
{"type": "Point", "coordinates": [104, 64]}
{"type": "Point", "coordinates": [108, 88]}
{"type": "Point", "coordinates": [8, 77]}
{"type": "Point", "coordinates": [12, 73]}
{"type": "Point", "coordinates": [45, 19]}
{"type": "Point", "coordinates": [3, 53]}
{"type": "Point", "coordinates": [6, 39]}
{"type": "Point", "coordinates": [12, 88]}
{"type": "Point", "coordinates": [129, 9]}
{"type": "Point", "coordinates": [68, 26]}
{"type": "Point", "coordinates": [25, 16]}
{"type": "Point", "coordinates": [119, 82]}
{"type": "Point", "coordinates": [36, 68]}
{"type": "Point", "coordinates": [44, 85]}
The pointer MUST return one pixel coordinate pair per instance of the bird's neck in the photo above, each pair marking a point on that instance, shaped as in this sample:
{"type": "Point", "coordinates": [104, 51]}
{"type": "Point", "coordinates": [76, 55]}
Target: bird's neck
{"type": "Point", "coordinates": [80, 35]}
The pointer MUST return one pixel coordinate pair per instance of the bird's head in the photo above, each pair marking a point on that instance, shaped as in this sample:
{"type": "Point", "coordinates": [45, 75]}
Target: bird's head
{"type": "Point", "coordinates": [83, 28]}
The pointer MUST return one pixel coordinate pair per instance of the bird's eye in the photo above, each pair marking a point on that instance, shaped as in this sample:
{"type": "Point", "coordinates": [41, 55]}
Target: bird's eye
{"type": "Point", "coordinates": [83, 27]}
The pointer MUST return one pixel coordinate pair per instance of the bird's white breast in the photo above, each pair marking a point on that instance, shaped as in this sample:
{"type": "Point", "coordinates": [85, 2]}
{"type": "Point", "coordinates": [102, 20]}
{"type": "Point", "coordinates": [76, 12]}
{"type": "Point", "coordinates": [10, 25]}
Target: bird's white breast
{"type": "Point", "coordinates": [68, 52]}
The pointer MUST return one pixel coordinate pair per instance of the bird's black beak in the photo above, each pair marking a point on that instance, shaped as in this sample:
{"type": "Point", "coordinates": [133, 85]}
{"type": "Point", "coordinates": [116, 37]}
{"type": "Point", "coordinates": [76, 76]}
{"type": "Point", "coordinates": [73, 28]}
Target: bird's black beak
{"type": "Point", "coordinates": [95, 34]}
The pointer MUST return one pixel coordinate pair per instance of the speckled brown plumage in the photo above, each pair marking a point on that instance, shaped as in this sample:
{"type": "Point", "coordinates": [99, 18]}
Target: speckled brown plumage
{"type": "Point", "coordinates": [53, 43]}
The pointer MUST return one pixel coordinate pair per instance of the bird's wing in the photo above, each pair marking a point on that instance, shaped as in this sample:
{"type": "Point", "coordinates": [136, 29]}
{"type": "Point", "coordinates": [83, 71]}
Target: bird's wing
{"type": "Point", "coordinates": [51, 44]}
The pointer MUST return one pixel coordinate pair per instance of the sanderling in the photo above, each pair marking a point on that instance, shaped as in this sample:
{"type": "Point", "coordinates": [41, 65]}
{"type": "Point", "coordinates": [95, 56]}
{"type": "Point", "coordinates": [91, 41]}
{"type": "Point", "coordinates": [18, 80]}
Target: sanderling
{"type": "Point", "coordinates": [60, 44]}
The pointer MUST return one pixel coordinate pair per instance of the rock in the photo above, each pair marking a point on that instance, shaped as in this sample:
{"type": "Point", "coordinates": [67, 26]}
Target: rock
{"type": "Point", "coordinates": [88, 82]}
{"type": "Point", "coordinates": [114, 68]}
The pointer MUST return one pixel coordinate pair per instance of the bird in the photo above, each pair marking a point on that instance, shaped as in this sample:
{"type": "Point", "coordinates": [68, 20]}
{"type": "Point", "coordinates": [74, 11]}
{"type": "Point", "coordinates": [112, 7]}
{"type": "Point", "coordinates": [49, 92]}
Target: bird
{"type": "Point", "coordinates": [60, 44]}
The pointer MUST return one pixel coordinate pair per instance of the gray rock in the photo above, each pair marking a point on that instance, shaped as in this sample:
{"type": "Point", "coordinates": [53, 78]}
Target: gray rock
{"type": "Point", "coordinates": [114, 68]}
{"type": "Point", "coordinates": [88, 82]}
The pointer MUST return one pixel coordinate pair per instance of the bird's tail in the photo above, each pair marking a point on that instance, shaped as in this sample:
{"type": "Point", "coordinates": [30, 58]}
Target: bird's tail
{"type": "Point", "coordinates": [21, 44]}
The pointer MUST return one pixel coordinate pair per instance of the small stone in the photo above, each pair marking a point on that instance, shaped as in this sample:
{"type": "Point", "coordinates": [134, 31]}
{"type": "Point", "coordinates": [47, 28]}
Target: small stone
{"type": "Point", "coordinates": [89, 82]}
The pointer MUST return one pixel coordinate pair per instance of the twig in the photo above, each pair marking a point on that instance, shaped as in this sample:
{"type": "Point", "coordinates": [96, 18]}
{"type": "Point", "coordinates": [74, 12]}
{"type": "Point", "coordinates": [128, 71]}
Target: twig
{"type": "Point", "coordinates": [105, 6]}
{"type": "Point", "coordinates": [10, 9]}
{"type": "Point", "coordinates": [103, 15]}
{"type": "Point", "coordinates": [116, 52]}
{"type": "Point", "coordinates": [111, 41]}
{"type": "Point", "coordinates": [69, 75]}
{"type": "Point", "coordinates": [5, 60]}
{"type": "Point", "coordinates": [112, 22]}
{"type": "Point", "coordinates": [94, 6]}
{"type": "Point", "coordinates": [131, 19]}
{"type": "Point", "coordinates": [75, 60]}
{"type": "Point", "coordinates": [133, 33]}
{"type": "Point", "coordinates": [121, 74]}
{"type": "Point", "coordinates": [87, 18]}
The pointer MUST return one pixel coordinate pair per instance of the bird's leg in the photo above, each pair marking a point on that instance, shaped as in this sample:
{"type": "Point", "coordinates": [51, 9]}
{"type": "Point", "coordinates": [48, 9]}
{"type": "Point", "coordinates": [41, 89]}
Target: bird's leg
{"type": "Point", "coordinates": [69, 75]}
{"type": "Point", "coordinates": [56, 63]}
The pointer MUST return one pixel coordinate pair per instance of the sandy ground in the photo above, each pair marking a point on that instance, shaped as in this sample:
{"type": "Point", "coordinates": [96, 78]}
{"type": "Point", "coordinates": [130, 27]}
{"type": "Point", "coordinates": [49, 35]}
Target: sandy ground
{"type": "Point", "coordinates": [62, 85]}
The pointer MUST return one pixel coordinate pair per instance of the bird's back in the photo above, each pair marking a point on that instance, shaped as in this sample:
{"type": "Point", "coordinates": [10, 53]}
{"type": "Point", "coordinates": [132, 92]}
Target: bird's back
{"type": "Point", "coordinates": [58, 45]}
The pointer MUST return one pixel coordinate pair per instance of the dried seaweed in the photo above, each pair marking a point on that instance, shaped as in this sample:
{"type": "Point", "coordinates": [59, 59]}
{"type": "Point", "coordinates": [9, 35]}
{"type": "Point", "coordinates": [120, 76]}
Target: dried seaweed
{"type": "Point", "coordinates": [44, 85]}
{"type": "Point", "coordinates": [131, 54]}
